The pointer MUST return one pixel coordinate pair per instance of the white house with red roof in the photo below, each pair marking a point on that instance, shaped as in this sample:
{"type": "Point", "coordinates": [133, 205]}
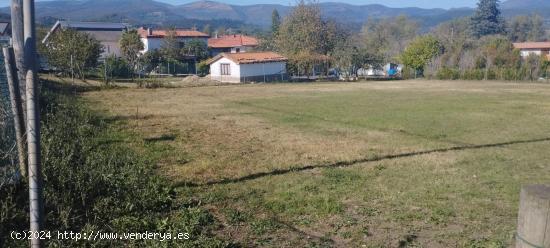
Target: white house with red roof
{"type": "Point", "coordinates": [153, 38]}
{"type": "Point", "coordinates": [533, 48]}
{"type": "Point", "coordinates": [248, 67]}
{"type": "Point", "coordinates": [235, 43]}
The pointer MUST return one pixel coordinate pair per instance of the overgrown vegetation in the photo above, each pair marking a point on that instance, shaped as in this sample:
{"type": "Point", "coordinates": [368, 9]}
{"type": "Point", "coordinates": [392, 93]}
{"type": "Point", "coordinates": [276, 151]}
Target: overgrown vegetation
{"type": "Point", "coordinates": [95, 182]}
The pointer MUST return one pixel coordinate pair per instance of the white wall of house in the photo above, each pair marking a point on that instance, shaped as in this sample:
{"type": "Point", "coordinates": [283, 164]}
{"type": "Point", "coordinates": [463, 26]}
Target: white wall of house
{"type": "Point", "coordinates": [156, 43]}
{"type": "Point", "coordinates": [215, 71]}
{"type": "Point", "coordinates": [239, 72]}
{"type": "Point", "coordinates": [527, 52]}
{"type": "Point", "coordinates": [260, 69]}
{"type": "Point", "coordinates": [540, 52]}
{"type": "Point", "coordinates": [151, 44]}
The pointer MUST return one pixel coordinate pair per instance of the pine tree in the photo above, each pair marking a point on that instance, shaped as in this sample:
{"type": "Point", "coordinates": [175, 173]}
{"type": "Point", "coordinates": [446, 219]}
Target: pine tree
{"type": "Point", "coordinates": [275, 21]}
{"type": "Point", "coordinates": [487, 19]}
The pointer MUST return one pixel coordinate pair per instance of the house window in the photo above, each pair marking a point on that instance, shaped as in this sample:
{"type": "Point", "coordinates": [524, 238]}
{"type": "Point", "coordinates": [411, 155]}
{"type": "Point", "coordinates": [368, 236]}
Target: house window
{"type": "Point", "coordinates": [238, 50]}
{"type": "Point", "coordinates": [225, 69]}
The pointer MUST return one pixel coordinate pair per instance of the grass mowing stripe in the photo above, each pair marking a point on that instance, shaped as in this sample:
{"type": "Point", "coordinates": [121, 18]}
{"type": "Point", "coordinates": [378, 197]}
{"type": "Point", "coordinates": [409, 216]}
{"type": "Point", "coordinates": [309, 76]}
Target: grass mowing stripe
{"type": "Point", "coordinates": [358, 161]}
{"type": "Point", "coordinates": [349, 123]}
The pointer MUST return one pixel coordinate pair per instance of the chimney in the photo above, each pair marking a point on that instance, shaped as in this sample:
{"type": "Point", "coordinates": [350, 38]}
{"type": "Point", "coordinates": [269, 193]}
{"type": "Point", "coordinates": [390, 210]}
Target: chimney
{"type": "Point", "coordinates": [149, 31]}
{"type": "Point", "coordinates": [216, 34]}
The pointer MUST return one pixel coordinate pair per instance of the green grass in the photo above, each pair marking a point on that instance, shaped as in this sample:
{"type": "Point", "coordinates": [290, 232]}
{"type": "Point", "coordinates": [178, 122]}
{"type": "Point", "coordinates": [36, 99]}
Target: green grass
{"type": "Point", "coordinates": [467, 117]}
{"type": "Point", "coordinates": [459, 198]}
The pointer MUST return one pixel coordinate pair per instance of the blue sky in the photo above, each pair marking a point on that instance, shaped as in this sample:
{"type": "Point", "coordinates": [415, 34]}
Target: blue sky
{"type": "Point", "coordinates": [391, 3]}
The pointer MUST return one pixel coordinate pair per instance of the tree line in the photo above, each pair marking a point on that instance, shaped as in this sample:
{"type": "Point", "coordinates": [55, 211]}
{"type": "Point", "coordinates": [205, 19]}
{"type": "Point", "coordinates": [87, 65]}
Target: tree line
{"type": "Point", "coordinates": [476, 47]}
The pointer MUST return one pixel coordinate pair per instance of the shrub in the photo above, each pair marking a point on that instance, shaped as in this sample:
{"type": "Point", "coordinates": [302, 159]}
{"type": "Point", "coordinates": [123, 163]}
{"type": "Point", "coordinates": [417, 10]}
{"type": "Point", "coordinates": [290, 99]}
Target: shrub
{"type": "Point", "coordinates": [448, 74]}
{"type": "Point", "coordinates": [115, 67]}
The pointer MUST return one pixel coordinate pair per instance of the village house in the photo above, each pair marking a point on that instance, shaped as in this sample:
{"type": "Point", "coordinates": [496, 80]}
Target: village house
{"type": "Point", "coordinates": [5, 36]}
{"type": "Point", "coordinates": [236, 43]}
{"type": "Point", "coordinates": [108, 34]}
{"type": "Point", "coordinates": [153, 38]}
{"type": "Point", "coordinates": [248, 67]}
{"type": "Point", "coordinates": [536, 48]}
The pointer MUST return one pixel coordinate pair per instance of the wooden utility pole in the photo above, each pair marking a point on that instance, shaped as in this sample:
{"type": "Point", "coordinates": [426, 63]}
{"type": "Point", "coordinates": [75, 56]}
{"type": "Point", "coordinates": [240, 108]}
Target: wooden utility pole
{"type": "Point", "coordinates": [18, 42]}
{"type": "Point", "coordinates": [33, 123]}
{"type": "Point", "coordinates": [534, 217]}
{"type": "Point", "coordinates": [17, 108]}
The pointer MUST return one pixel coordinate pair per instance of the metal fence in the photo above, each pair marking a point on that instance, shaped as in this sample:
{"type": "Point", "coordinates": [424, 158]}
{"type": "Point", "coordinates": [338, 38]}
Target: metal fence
{"type": "Point", "coordinates": [9, 169]}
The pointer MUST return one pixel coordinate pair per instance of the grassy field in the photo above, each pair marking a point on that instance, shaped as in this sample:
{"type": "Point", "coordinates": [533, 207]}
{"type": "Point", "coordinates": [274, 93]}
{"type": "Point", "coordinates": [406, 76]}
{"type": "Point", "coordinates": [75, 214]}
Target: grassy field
{"type": "Point", "coordinates": [378, 164]}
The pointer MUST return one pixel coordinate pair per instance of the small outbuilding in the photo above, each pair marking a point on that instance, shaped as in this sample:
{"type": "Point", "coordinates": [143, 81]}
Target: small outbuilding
{"type": "Point", "coordinates": [248, 67]}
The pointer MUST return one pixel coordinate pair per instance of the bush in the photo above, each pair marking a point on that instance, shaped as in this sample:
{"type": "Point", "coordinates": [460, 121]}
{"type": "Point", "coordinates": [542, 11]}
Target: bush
{"type": "Point", "coordinates": [474, 74]}
{"type": "Point", "coordinates": [115, 67]}
{"type": "Point", "coordinates": [448, 74]}
{"type": "Point", "coordinates": [203, 68]}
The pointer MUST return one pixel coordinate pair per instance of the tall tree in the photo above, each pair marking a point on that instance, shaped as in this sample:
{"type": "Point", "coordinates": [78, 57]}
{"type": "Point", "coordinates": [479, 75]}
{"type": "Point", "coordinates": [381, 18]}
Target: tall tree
{"type": "Point", "coordinates": [389, 37]}
{"type": "Point", "coordinates": [70, 50]}
{"type": "Point", "coordinates": [207, 29]}
{"type": "Point", "coordinates": [348, 58]}
{"type": "Point", "coordinates": [196, 48]}
{"type": "Point", "coordinates": [170, 47]}
{"type": "Point", "coordinates": [497, 51]}
{"type": "Point", "coordinates": [275, 21]}
{"type": "Point", "coordinates": [454, 35]}
{"type": "Point", "coordinates": [420, 52]}
{"type": "Point", "coordinates": [130, 46]}
{"type": "Point", "coordinates": [526, 28]}
{"type": "Point", "coordinates": [487, 19]}
{"type": "Point", "coordinates": [304, 37]}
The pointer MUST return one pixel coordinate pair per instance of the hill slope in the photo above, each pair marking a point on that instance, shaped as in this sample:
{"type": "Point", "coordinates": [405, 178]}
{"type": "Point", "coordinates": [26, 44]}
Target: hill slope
{"type": "Point", "coordinates": [140, 12]}
{"type": "Point", "coordinates": [525, 4]}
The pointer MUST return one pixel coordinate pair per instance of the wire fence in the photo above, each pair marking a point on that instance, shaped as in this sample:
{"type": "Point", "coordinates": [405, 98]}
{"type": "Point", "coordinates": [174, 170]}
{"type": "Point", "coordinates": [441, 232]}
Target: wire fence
{"type": "Point", "coordinates": [9, 169]}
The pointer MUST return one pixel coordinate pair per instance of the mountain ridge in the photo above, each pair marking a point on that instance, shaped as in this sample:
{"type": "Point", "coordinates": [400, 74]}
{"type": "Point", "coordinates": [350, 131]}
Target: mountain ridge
{"type": "Point", "coordinates": [144, 12]}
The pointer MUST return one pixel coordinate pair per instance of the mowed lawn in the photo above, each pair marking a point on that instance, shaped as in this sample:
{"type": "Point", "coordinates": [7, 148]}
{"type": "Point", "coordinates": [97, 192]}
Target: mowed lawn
{"type": "Point", "coordinates": [376, 164]}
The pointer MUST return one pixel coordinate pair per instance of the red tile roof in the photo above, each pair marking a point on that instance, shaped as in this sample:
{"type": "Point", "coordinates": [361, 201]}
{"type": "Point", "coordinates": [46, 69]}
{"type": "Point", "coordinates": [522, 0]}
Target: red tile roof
{"type": "Point", "coordinates": [182, 33]}
{"type": "Point", "coordinates": [532, 45]}
{"type": "Point", "coordinates": [227, 41]}
{"type": "Point", "coordinates": [250, 58]}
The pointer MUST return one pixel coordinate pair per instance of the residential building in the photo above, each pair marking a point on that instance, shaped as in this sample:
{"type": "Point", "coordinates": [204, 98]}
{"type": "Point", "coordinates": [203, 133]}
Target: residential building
{"type": "Point", "coordinates": [536, 48]}
{"type": "Point", "coordinates": [248, 67]}
{"type": "Point", "coordinates": [5, 35]}
{"type": "Point", "coordinates": [153, 38]}
{"type": "Point", "coordinates": [108, 34]}
{"type": "Point", "coordinates": [236, 43]}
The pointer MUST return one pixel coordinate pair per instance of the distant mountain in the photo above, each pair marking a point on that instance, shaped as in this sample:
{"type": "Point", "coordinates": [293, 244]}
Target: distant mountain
{"type": "Point", "coordinates": [260, 14]}
{"type": "Point", "coordinates": [525, 4]}
{"type": "Point", "coordinates": [150, 12]}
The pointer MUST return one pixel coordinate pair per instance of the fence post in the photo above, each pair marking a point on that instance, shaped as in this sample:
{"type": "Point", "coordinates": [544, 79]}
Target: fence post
{"type": "Point", "coordinates": [17, 108]}
{"type": "Point", "coordinates": [534, 216]}
{"type": "Point", "coordinates": [36, 210]}
{"type": "Point", "coordinates": [18, 43]}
